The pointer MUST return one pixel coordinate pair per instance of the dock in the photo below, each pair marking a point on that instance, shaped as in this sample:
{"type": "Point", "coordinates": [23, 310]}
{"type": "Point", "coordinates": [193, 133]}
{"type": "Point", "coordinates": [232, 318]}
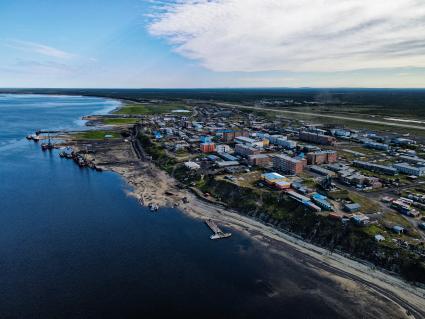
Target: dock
{"type": "Point", "coordinates": [218, 233]}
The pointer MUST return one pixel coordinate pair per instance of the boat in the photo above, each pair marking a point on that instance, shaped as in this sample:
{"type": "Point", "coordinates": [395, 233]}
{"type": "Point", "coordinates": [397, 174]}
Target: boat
{"type": "Point", "coordinates": [153, 207]}
{"type": "Point", "coordinates": [47, 146]}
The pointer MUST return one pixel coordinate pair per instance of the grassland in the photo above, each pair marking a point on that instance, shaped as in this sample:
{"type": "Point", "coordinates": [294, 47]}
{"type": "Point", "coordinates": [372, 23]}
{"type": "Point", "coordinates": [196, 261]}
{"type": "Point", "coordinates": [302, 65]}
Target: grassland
{"type": "Point", "coordinates": [150, 109]}
{"type": "Point", "coordinates": [367, 205]}
{"type": "Point", "coordinates": [110, 121]}
{"type": "Point", "coordinates": [96, 135]}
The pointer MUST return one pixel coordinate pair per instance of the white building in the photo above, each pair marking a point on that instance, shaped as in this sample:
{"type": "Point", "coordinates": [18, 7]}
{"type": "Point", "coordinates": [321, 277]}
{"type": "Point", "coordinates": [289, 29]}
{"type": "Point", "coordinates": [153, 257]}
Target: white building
{"type": "Point", "coordinates": [223, 148]}
{"type": "Point", "coordinates": [249, 141]}
{"type": "Point", "coordinates": [192, 165]}
{"type": "Point", "coordinates": [409, 170]}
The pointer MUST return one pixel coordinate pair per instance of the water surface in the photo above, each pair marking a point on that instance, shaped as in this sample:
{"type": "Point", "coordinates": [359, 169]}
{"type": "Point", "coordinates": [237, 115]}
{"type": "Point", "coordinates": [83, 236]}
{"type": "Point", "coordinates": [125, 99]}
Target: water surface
{"type": "Point", "coordinates": [74, 245]}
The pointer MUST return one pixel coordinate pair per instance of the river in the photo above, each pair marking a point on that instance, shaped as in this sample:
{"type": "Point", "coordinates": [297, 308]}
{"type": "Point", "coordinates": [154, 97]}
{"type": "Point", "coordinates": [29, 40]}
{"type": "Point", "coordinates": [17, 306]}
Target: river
{"type": "Point", "coordinates": [74, 245]}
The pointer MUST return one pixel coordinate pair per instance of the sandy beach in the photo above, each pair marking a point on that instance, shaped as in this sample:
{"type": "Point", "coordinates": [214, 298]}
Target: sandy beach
{"type": "Point", "coordinates": [153, 186]}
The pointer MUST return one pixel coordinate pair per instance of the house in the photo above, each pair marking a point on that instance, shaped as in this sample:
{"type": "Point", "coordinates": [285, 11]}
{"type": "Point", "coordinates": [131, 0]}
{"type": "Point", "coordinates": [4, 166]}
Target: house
{"type": "Point", "coordinates": [192, 165]}
{"type": "Point", "coordinates": [379, 238]}
{"type": "Point", "coordinates": [360, 219]}
{"type": "Point", "coordinates": [352, 207]}
{"type": "Point", "coordinates": [398, 229]}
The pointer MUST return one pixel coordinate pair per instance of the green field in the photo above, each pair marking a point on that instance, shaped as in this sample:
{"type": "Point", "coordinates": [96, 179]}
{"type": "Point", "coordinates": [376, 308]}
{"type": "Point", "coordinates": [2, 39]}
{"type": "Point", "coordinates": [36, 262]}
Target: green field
{"type": "Point", "coordinates": [119, 121]}
{"type": "Point", "coordinates": [151, 109]}
{"type": "Point", "coordinates": [96, 135]}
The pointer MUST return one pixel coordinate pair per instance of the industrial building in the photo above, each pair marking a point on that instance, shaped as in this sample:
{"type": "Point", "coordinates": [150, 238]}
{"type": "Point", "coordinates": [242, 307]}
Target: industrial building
{"type": "Point", "coordinates": [322, 202]}
{"type": "Point", "coordinates": [304, 200]}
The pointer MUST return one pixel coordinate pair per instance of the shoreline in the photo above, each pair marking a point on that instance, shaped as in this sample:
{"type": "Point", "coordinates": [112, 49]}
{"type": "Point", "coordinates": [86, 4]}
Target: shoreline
{"type": "Point", "coordinates": [150, 184]}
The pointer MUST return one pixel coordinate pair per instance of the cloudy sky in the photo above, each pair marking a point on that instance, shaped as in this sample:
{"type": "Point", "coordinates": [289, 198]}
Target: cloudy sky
{"type": "Point", "coordinates": [212, 43]}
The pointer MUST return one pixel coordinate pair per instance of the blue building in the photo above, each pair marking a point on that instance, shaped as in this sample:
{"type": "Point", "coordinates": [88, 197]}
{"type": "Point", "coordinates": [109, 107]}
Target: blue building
{"type": "Point", "coordinates": [206, 139]}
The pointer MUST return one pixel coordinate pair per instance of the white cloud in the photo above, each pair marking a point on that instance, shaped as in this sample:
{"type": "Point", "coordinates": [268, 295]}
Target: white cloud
{"type": "Point", "coordinates": [294, 35]}
{"type": "Point", "coordinates": [39, 49]}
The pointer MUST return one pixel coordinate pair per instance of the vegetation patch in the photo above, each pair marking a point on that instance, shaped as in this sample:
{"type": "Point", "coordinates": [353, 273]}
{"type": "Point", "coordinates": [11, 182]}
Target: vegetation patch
{"type": "Point", "coordinates": [151, 109]}
{"type": "Point", "coordinates": [97, 135]}
{"type": "Point", "coordinates": [112, 121]}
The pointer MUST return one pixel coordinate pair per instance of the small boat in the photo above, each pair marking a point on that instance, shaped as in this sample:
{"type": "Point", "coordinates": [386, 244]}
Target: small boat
{"type": "Point", "coordinates": [47, 146]}
{"type": "Point", "coordinates": [153, 207]}
{"type": "Point", "coordinates": [29, 137]}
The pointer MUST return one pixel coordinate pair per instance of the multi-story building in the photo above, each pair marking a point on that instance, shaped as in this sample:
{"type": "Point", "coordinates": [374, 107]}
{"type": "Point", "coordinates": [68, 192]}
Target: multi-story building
{"type": "Point", "coordinates": [207, 147]}
{"type": "Point", "coordinates": [245, 150]}
{"type": "Point", "coordinates": [317, 138]}
{"type": "Point", "coordinates": [289, 164]}
{"type": "Point", "coordinates": [322, 157]}
{"type": "Point", "coordinates": [248, 141]}
{"type": "Point", "coordinates": [229, 135]}
{"type": "Point", "coordinates": [377, 146]}
{"type": "Point", "coordinates": [278, 140]}
{"type": "Point", "coordinates": [223, 148]}
{"type": "Point", "coordinates": [410, 170]}
{"type": "Point", "coordinates": [259, 160]}
{"type": "Point", "coordinates": [388, 170]}
{"type": "Point", "coordinates": [288, 144]}
{"type": "Point", "coordinates": [322, 171]}
{"type": "Point", "coordinates": [205, 139]}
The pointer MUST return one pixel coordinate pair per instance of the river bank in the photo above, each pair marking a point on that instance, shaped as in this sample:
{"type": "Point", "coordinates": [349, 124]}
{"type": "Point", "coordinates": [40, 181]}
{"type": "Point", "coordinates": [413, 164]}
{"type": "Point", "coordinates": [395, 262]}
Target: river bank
{"type": "Point", "coordinates": [152, 185]}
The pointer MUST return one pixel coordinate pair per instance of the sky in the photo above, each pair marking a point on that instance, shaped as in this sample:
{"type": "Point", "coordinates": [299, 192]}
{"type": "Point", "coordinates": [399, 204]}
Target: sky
{"type": "Point", "coordinates": [212, 43]}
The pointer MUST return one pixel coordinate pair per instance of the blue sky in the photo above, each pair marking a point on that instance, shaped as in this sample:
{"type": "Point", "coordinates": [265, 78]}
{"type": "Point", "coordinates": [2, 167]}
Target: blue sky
{"type": "Point", "coordinates": [218, 43]}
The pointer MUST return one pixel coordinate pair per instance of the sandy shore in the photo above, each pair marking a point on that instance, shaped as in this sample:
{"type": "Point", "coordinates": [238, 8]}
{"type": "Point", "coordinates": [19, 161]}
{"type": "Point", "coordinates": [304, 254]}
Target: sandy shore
{"type": "Point", "coordinates": [151, 185]}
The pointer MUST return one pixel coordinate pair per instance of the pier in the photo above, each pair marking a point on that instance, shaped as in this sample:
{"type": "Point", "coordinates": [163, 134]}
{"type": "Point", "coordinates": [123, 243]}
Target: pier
{"type": "Point", "coordinates": [218, 233]}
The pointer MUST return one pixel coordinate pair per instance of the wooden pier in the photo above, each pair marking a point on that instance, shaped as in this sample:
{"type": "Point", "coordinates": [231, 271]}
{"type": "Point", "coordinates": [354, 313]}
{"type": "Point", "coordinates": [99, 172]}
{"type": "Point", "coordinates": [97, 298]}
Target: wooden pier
{"type": "Point", "coordinates": [218, 233]}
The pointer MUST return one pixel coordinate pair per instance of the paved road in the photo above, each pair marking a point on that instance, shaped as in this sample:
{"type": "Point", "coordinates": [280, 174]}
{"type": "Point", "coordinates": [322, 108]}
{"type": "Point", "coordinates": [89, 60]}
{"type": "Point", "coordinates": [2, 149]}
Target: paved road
{"type": "Point", "coordinates": [336, 117]}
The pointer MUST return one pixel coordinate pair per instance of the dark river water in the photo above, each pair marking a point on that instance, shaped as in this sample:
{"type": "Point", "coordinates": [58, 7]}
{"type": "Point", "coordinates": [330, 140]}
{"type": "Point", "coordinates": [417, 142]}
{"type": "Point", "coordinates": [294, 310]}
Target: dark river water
{"type": "Point", "coordinates": [74, 245]}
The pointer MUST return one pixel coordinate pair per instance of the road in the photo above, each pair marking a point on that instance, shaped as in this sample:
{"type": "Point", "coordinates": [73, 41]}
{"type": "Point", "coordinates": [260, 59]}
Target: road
{"type": "Point", "coordinates": [336, 117]}
{"type": "Point", "coordinates": [407, 297]}
{"type": "Point", "coordinates": [385, 285]}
